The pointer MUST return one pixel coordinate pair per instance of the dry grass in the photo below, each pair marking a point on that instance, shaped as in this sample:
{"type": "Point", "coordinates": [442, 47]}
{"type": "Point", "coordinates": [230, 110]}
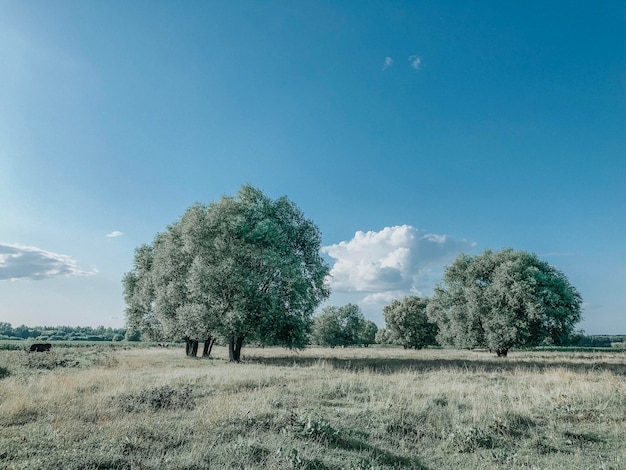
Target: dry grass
{"type": "Point", "coordinates": [319, 408]}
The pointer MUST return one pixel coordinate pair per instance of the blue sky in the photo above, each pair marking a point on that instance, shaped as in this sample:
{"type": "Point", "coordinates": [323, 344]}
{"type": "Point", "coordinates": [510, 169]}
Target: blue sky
{"type": "Point", "coordinates": [408, 131]}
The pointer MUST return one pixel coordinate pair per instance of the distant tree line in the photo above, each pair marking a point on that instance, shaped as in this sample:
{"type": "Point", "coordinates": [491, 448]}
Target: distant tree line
{"type": "Point", "coordinates": [65, 333]}
{"type": "Point", "coordinates": [334, 327]}
{"type": "Point", "coordinates": [601, 341]}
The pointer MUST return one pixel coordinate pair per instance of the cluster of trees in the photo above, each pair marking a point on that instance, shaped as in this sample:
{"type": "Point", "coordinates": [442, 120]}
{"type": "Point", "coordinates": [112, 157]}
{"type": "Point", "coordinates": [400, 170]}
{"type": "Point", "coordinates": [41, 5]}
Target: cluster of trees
{"type": "Point", "coordinates": [496, 300]}
{"type": "Point", "coordinates": [63, 333]}
{"type": "Point", "coordinates": [248, 268]}
{"type": "Point", "coordinates": [343, 326]}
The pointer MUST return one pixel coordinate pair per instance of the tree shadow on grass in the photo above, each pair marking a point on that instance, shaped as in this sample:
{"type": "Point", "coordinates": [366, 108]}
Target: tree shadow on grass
{"type": "Point", "coordinates": [394, 365]}
{"type": "Point", "coordinates": [380, 456]}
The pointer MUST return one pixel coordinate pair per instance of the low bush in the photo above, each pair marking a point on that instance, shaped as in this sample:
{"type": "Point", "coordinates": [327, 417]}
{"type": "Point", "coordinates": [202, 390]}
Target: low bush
{"type": "Point", "coordinates": [159, 398]}
{"type": "Point", "coordinates": [316, 428]}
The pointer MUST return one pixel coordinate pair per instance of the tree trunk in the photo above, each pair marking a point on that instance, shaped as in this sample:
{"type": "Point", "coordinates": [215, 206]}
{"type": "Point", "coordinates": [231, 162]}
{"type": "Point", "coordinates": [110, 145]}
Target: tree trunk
{"type": "Point", "coordinates": [208, 345]}
{"type": "Point", "coordinates": [194, 348]}
{"type": "Point", "coordinates": [234, 348]}
{"type": "Point", "coordinates": [188, 343]}
{"type": "Point", "coordinates": [502, 352]}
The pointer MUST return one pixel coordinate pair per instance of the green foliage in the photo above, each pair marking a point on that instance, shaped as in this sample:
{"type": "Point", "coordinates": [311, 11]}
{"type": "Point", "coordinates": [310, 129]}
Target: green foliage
{"type": "Point", "coordinates": [407, 324]}
{"type": "Point", "coordinates": [133, 335]}
{"type": "Point", "coordinates": [367, 333]}
{"type": "Point", "coordinates": [503, 300]}
{"type": "Point", "coordinates": [243, 267]}
{"type": "Point", "coordinates": [383, 336]}
{"type": "Point", "coordinates": [343, 326]}
{"type": "Point", "coordinates": [60, 333]}
{"type": "Point", "coordinates": [315, 428]}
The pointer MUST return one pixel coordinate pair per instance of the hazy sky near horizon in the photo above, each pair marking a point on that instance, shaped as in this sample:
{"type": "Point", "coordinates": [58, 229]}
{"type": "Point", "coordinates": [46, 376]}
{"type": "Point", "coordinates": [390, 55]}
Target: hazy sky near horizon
{"type": "Point", "coordinates": [409, 132]}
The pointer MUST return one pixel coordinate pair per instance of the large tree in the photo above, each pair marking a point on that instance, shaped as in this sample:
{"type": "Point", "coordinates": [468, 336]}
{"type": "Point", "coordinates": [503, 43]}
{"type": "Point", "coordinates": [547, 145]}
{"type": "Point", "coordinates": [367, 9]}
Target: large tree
{"type": "Point", "coordinates": [499, 300]}
{"type": "Point", "coordinates": [407, 323]}
{"type": "Point", "coordinates": [246, 267]}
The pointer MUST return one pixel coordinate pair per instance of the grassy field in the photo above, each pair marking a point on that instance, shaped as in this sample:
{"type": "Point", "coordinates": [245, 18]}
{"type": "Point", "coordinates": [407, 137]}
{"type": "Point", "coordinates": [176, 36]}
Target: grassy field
{"type": "Point", "coordinates": [114, 408]}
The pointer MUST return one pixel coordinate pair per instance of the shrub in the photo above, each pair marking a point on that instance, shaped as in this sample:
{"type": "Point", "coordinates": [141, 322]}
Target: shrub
{"type": "Point", "coordinates": [50, 361]}
{"type": "Point", "coordinates": [159, 398]}
{"type": "Point", "coordinates": [317, 429]}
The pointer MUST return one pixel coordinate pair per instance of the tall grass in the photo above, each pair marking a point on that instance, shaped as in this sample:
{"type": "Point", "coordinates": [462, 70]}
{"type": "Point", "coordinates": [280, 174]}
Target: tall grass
{"type": "Point", "coordinates": [317, 409]}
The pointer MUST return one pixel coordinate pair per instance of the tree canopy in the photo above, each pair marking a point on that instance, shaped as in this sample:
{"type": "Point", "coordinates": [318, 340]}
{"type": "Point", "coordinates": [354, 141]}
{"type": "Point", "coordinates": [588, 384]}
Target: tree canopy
{"type": "Point", "coordinates": [499, 300]}
{"type": "Point", "coordinates": [246, 267]}
{"type": "Point", "coordinates": [406, 323]}
{"type": "Point", "coordinates": [343, 326]}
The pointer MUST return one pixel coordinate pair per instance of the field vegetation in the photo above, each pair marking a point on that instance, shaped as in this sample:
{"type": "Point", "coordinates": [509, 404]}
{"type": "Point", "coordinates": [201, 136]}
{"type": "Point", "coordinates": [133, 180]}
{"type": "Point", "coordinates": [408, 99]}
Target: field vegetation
{"type": "Point", "coordinates": [102, 407]}
{"type": "Point", "coordinates": [62, 333]}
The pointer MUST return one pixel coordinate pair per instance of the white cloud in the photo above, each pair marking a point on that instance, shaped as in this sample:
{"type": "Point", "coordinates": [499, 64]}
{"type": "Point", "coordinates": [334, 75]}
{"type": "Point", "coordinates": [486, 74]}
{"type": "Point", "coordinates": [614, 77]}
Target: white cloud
{"type": "Point", "coordinates": [388, 63]}
{"type": "Point", "coordinates": [416, 61]}
{"type": "Point", "coordinates": [381, 298]}
{"type": "Point", "coordinates": [396, 259]}
{"type": "Point", "coordinates": [29, 262]}
{"type": "Point", "coordinates": [115, 233]}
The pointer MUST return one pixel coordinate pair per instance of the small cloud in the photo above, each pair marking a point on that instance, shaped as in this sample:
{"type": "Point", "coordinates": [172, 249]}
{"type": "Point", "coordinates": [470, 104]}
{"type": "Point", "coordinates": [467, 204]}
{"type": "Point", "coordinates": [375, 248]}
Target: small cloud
{"type": "Point", "coordinates": [388, 63]}
{"type": "Point", "coordinates": [416, 61]}
{"type": "Point", "coordinates": [29, 262]}
{"type": "Point", "coordinates": [114, 234]}
{"type": "Point", "coordinates": [383, 298]}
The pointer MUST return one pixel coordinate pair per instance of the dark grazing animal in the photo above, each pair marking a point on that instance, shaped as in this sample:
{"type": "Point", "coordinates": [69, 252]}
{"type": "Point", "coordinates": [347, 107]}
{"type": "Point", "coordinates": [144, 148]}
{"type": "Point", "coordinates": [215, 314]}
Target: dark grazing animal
{"type": "Point", "coordinates": [40, 347]}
